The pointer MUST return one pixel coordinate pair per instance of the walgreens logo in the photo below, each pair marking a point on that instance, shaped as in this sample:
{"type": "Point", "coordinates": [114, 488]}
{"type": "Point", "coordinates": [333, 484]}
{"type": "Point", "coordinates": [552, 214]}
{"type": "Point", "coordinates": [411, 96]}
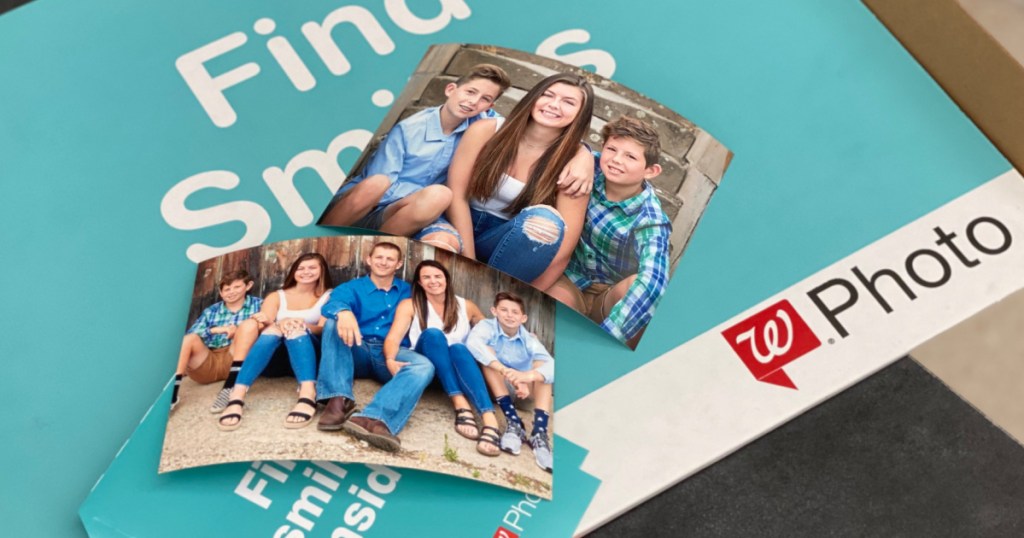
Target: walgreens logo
{"type": "Point", "coordinates": [777, 335]}
{"type": "Point", "coordinates": [771, 339]}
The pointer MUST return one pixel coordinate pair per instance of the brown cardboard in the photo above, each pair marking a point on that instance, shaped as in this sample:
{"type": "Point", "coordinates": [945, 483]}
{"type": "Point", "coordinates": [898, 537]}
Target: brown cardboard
{"type": "Point", "coordinates": [981, 76]}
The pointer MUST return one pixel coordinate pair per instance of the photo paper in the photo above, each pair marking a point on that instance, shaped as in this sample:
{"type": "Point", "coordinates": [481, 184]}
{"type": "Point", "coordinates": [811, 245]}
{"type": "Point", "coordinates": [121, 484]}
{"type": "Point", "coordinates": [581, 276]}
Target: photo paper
{"type": "Point", "coordinates": [560, 177]}
{"type": "Point", "coordinates": [450, 357]}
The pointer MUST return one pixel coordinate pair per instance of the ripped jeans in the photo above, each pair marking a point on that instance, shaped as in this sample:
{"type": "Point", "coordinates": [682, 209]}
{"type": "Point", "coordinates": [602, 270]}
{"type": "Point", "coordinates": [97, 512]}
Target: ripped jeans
{"type": "Point", "coordinates": [523, 246]}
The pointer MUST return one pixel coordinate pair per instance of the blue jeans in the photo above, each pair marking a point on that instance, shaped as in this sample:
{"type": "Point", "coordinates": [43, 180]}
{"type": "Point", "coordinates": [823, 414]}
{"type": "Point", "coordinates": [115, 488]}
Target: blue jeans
{"type": "Point", "coordinates": [504, 244]}
{"type": "Point", "coordinates": [396, 399]}
{"type": "Point", "coordinates": [456, 368]}
{"type": "Point", "coordinates": [301, 355]}
{"type": "Point", "coordinates": [440, 225]}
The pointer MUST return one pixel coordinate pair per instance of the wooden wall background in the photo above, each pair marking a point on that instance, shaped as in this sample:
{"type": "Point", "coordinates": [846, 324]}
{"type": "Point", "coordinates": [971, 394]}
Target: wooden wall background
{"type": "Point", "coordinates": [345, 254]}
{"type": "Point", "coordinates": [693, 161]}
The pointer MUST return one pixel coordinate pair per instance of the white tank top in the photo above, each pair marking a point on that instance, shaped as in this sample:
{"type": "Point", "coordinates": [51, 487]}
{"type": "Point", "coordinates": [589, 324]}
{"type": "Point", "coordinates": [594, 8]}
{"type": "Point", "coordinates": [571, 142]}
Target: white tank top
{"type": "Point", "coordinates": [508, 190]}
{"type": "Point", "coordinates": [310, 315]}
{"type": "Point", "coordinates": [456, 336]}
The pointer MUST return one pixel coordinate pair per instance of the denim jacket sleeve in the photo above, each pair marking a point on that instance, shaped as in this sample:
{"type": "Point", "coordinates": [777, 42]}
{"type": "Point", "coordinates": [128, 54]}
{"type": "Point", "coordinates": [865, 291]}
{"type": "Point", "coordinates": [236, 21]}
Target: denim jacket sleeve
{"type": "Point", "coordinates": [478, 343]}
{"type": "Point", "coordinates": [389, 158]}
{"type": "Point", "coordinates": [538, 353]}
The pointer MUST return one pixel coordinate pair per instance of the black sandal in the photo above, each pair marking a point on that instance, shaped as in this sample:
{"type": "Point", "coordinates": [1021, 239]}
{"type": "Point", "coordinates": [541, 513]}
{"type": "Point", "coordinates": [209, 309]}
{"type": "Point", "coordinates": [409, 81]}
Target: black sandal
{"type": "Point", "coordinates": [306, 417]}
{"type": "Point", "coordinates": [465, 417]}
{"type": "Point", "coordinates": [487, 438]}
{"type": "Point", "coordinates": [231, 427]}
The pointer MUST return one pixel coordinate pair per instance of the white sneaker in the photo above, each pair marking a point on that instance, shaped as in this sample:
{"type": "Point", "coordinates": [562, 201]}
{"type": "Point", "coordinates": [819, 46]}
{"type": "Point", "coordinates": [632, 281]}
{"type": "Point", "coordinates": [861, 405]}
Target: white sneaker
{"type": "Point", "coordinates": [542, 451]}
{"type": "Point", "coordinates": [512, 439]}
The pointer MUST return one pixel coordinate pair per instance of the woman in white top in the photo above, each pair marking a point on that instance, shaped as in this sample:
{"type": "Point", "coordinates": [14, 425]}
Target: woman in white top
{"type": "Point", "coordinates": [290, 315]}
{"type": "Point", "coordinates": [506, 204]}
{"type": "Point", "coordinates": [438, 322]}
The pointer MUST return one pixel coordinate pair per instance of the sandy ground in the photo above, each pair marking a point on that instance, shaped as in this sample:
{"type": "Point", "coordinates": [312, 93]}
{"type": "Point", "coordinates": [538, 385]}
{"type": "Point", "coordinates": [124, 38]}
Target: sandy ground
{"type": "Point", "coordinates": [193, 438]}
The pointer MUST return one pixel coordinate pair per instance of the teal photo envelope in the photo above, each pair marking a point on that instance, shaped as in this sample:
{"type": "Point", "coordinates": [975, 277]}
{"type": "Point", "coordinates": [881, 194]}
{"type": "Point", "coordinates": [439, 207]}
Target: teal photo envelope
{"type": "Point", "coordinates": [318, 498]}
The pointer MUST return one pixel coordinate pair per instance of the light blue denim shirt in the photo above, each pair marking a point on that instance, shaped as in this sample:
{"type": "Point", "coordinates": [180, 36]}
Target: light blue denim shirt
{"type": "Point", "coordinates": [488, 343]}
{"type": "Point", "coordinates": [415, 154]}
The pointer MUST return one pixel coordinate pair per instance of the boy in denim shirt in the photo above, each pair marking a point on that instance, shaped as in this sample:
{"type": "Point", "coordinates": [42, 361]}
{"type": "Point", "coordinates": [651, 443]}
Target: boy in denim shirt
{"type": "Point", "coordinates": [401, 189]}
{"type": "Point", "coordinates": [514, 358]}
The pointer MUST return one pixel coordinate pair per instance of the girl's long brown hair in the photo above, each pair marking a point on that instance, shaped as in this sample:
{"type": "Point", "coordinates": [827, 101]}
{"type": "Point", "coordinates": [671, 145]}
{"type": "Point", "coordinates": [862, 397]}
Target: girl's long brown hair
{"type": "Point", "coordinates": [322, 285]}
{"type": "Point", "coordinates": [419, 297]}
{"type": "Point", "coordinates": [497, 156]}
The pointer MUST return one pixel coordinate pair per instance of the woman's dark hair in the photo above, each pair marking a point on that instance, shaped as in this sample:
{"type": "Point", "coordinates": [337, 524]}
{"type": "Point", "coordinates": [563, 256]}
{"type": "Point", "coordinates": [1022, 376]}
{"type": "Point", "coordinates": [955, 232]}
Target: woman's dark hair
{"type": "Point", "coordinates": [497, 156]}
{"type": "Point", "coordinates": [322, 285]}
{"type": "Point", "coordinates": [419, 297]}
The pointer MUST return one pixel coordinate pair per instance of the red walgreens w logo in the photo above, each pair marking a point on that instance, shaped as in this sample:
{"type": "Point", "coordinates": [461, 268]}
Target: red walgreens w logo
{"type": "Point", "coordinates": [502, 532]}
{"type": "Point", "coordinates": [771, 339]}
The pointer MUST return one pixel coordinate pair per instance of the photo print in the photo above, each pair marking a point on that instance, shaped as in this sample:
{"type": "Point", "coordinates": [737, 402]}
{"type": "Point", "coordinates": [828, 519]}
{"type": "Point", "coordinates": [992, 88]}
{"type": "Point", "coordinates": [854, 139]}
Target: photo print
{"type": "Point", "coordinates": [562, 178]}
{"type": "Point", "coordinates": [372, 349]}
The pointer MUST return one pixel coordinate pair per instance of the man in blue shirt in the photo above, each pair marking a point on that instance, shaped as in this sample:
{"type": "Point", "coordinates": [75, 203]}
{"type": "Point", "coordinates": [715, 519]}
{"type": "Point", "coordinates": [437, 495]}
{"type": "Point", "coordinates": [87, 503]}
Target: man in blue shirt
{"type": "Point", "coordinates": [359, 315]}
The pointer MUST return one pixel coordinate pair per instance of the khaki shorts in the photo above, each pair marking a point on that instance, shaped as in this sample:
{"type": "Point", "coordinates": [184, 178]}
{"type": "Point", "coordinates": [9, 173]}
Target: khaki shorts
{"type": "Point", "coordinates": [214, 368]}
{"type": "Point", "coordinates": [591, 298]}
{"type": "Point", "coordinates": [593, 302]}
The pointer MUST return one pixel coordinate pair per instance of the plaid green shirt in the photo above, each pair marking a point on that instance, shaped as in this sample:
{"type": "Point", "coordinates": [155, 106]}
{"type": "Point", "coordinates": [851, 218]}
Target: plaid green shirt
{"type": "Point", "coordinates": [620, 239]}
{"type": "Point", "coordinates": [218, 315]}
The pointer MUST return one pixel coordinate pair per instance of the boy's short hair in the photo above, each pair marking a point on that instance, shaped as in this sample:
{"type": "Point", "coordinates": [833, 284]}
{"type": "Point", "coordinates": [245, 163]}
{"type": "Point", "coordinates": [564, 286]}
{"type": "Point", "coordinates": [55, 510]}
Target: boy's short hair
{"type": "Point", "coordinates": [489, 72]}
{"type": "Point", "coordinates": [387, 245]}
{"type": "Point", "coordinates": [509, 296]}
{"type": "Point", "coordinates": [638, 130]}
{"type": "Point", "coordinates": [231, 276]}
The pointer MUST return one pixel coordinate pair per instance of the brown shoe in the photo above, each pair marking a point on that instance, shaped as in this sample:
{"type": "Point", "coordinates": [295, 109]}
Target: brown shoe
{"type": "Point", "coordinates": [337, 412]}
{"type": "Point", "coordinates": [374, 432]}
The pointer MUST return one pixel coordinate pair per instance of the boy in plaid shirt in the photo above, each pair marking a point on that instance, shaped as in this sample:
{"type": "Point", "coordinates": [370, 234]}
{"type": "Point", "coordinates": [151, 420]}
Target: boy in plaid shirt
{"type": "Point", "coordinates": [619, 269]}
{"type": "Point", "coordinates": [206, 349]}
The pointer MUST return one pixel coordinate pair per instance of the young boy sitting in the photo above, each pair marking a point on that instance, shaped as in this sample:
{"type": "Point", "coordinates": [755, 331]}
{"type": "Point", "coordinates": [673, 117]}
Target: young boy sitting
{"type": "Point", "coordinates": [513, 357]}
{"type": "Point", "coordinates": [402, 190]}
{"type": "Point", "coordinates": [206, 349]}
{"type": "Point", "coordinates": [619, 269]}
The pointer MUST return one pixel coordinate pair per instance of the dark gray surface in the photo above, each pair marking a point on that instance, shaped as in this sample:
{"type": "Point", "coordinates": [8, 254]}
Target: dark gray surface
{"type": "Point", "coordinates": [897, 455]}
{"type": "Point", "coordinates": [7, 5]}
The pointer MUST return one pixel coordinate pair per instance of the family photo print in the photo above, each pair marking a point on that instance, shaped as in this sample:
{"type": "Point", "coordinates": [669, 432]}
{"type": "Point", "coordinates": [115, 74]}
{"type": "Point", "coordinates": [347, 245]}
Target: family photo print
{"type": "Point", "coordinates": [374, 349]}
{"type": "Point", "coordinates": [573, 183]}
